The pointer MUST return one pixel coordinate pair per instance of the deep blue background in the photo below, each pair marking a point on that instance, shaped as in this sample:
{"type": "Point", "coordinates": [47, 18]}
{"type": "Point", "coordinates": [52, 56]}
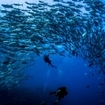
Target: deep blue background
{"type": "Point", "coordinates": [73, 73]}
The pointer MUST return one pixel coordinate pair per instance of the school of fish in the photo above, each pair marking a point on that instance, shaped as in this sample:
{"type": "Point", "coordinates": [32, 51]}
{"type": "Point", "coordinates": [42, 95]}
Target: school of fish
{"type": "Point", "coordinates": [61, 28]}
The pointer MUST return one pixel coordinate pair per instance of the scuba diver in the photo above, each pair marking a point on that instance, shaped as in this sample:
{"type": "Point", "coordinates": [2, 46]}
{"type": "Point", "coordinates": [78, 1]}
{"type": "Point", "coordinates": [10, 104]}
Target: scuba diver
{"type": "Point", "coordinates": [60, 93]}
{"type": "Point", "coordinates": [47, 60]}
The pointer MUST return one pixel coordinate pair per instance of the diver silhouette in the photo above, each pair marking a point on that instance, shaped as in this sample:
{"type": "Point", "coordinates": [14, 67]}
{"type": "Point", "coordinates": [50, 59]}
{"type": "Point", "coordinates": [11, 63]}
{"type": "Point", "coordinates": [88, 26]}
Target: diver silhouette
{"type": "Point", "coordinates": [47, 60]}
{"type": "Point", "coordinates": [60, 93]}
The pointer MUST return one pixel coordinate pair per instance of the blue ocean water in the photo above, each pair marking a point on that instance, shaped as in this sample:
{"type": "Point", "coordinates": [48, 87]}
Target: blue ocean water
{"type": "Point", "coordinates": [74, 74]}
{"type": "Point", "coordinates": [85, 85]}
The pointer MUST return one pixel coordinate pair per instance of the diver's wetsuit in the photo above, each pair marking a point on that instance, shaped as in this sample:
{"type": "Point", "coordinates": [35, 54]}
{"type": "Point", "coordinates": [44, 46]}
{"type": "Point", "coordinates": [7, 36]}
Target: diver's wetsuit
{"type": "Point", "coordinates": [61, 92]}
{"type": "Point", "coordinates": [47, 60]}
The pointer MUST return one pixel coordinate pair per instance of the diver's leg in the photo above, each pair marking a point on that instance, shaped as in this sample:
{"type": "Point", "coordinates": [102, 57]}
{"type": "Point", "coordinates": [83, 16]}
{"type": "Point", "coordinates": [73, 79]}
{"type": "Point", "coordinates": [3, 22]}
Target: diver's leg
{"type": "Point", "coordinates": [53, 66]}
{"type": "Point", "coordinates": [56, 102]}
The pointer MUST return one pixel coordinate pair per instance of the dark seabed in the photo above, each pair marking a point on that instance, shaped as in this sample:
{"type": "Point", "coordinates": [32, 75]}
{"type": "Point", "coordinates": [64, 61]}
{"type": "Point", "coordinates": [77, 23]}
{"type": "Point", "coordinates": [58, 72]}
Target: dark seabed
{"type": "Point", "coordinates": [74, 41]}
